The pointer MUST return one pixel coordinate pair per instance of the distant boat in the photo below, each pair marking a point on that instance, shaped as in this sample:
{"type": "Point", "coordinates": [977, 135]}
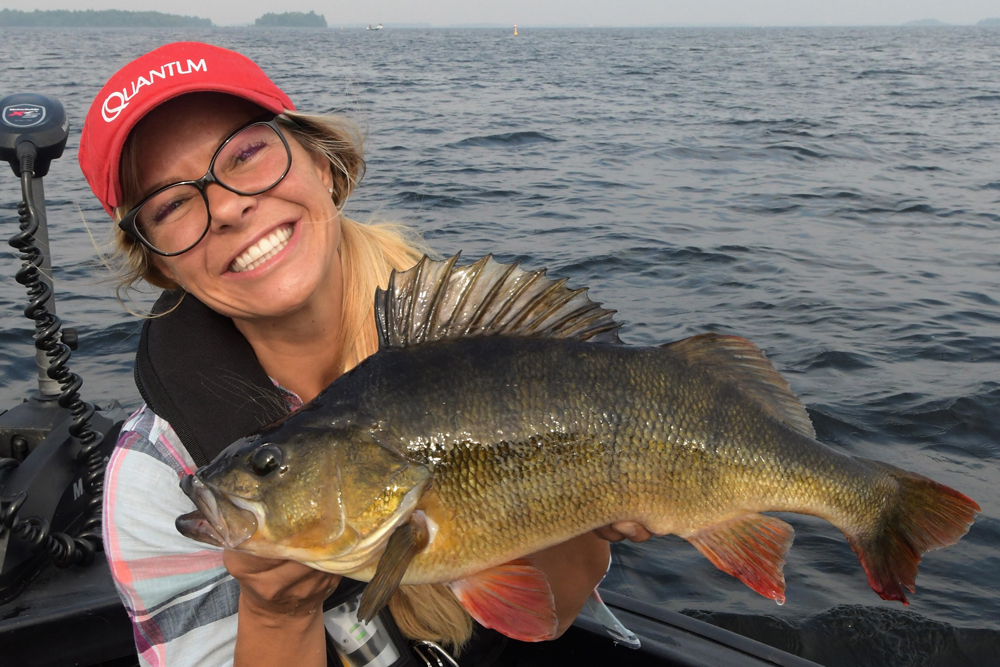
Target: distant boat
{"type": "Point", "coordinates": [378, 27]}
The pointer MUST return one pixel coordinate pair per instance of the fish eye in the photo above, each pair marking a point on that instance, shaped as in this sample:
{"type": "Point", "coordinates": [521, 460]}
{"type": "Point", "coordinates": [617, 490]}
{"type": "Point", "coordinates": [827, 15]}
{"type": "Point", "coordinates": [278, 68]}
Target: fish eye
{"type": "Point", "coordinates": [265, 460]}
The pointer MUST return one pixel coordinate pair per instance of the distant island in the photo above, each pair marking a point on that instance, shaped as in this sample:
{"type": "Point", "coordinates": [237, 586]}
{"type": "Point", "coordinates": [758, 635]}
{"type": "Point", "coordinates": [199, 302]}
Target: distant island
{"type": "Point", "coordinates": [994, 23]}
{"type": "Point", "coordinates": [291, 20]}
{"type": "Point", "coordinates": [107, 18]}
{"type": "Point", "coordinates": [925, 23]}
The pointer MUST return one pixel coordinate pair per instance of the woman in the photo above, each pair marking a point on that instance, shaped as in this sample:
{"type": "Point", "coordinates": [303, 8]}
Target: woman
{"type": "Point", "coordinates": [222, 192]}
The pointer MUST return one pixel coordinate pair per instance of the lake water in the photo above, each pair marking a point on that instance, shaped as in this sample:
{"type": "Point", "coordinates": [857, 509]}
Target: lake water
{"type": "Point", "coordinates": [831, 194]}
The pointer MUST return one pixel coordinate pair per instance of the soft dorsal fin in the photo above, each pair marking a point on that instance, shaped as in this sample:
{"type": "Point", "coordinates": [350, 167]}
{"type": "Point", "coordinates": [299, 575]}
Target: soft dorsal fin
{"type": "Point", "coordinates": [746, 364]}
{"type": "Point", "coordinates": [437, 300]}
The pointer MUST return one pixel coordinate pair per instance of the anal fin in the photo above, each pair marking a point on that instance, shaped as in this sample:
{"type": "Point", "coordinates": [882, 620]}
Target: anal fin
{"type": "Point", "coordinates": [615, 629]}
{"type": "Point", "coordinates": [405, 542]}
{"type": "Point", "coordinates": [751, 548]}
{"type": "Point", "coordinates": [513, 598]}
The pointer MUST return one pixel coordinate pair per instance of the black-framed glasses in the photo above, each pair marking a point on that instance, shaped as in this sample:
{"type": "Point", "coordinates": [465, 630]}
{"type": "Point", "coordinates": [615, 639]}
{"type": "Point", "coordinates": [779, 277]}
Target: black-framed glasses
{"type": "Point", "coordinates": [174, 218]}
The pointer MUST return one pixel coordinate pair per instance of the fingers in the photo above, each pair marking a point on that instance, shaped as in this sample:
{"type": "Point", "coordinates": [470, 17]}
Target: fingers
{"type": "Point", "coordinates": [240, 562]}
{"type": "Point", "coordinates": [622, 530]}
{"type": "Point", "coordinates": [279, 586]}
{"type": "Point", "coordinates": [608, 533]}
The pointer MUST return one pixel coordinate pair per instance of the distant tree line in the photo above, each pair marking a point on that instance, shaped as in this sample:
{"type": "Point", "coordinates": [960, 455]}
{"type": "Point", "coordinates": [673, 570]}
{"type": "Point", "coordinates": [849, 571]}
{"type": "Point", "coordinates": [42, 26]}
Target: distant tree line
{"type": "Point", "coordinates": [107, 18]}
{"type": "Point", "coordinates": [291, 20]}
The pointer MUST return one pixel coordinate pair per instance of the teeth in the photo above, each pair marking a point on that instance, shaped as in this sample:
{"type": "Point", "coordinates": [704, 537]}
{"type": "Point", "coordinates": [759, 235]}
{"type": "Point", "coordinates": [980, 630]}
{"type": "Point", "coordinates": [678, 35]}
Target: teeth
{"type": "Point", "coordinates": [263, 250]}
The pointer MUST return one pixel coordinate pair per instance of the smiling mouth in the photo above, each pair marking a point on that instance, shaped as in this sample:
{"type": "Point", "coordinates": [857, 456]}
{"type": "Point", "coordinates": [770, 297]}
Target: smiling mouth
{"type": "Point", "coordinates": [262, 250]}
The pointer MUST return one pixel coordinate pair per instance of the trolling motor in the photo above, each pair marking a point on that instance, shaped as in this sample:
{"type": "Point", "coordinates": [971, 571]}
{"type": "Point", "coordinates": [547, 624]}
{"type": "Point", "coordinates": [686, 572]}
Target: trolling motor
{"type": "Point", "coordinates": [54, 445]}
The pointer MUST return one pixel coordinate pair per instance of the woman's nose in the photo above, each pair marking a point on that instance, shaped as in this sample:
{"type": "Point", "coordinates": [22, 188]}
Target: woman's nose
{"type": "Point", "coordinates": [228, 208]}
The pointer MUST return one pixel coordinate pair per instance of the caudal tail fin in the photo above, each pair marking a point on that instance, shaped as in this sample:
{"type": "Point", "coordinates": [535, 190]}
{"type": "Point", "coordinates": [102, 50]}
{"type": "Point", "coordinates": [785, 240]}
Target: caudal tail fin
{"type": "Point", "coordinates": [923, 515]}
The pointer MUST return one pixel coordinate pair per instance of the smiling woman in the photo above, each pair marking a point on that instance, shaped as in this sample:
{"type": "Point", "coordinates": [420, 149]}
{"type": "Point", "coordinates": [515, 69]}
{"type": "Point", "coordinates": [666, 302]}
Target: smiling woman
{"type": "Point", "coordinates": [232, 201]}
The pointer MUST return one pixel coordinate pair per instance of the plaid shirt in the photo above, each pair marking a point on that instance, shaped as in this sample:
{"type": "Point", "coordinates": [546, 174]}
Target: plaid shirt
{"type": "Point", "coordinates": [177, 592]}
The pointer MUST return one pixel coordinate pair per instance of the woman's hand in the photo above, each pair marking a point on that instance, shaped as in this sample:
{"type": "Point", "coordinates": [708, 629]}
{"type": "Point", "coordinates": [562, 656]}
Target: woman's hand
{"type": "Point", "coordinates": [575, 567]}
{"type": "Point", "coordinates": [573, 570]}
{"type": "Point", "coordinates": [279, 587]}
{"type": "Point", "coordinates": [280, 611]}
{"type": "Point", "coordinates": [622, 530]}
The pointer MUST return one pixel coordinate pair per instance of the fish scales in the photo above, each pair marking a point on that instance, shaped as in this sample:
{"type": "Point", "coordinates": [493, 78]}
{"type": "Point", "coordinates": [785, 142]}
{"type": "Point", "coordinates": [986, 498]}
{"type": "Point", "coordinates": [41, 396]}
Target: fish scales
{"type": "Point", "coordinates": [533, 441]}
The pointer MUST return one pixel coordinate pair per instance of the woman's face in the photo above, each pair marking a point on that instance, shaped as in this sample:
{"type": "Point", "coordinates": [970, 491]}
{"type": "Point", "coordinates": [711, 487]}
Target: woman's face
{"type": "Point", "coordinates": [176, 142]}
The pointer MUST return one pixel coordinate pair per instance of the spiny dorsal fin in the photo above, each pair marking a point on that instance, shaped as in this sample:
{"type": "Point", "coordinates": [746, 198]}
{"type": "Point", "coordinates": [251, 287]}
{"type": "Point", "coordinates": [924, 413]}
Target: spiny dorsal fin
{"type": "Point", "coordinates": [746, 364]}
{"type": "Point", "coordinates": [435, 300]}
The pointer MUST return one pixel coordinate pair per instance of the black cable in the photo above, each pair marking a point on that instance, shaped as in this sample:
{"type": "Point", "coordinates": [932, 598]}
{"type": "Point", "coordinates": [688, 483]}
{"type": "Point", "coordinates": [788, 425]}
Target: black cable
{"type": "Point", "coordinates": [64, 549]}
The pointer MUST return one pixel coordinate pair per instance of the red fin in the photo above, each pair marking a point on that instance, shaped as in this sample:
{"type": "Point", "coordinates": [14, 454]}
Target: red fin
{"type": "Point", "coordinates": [513, 598]}
{"type": "Point", "coordinates": [752, 548]}
{"type": "Point", "coordinates": [923, 515]}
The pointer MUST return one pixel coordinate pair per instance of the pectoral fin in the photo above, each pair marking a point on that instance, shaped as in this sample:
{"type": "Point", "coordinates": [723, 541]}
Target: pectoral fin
{"type": "Point", "coordinates": [752, 548]}
{"type": "Point", "coordinates": [513, 598]}
{"type": "Point", "coordinates": [405, 542]}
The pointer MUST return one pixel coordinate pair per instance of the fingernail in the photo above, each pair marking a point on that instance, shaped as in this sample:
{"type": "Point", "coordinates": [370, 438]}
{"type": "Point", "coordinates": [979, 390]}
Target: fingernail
{"type": "Point", "coordinates": [626, 529]}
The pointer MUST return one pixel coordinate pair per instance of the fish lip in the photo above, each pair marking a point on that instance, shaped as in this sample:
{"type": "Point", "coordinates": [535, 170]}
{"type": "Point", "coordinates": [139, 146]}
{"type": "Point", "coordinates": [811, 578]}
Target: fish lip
{"type": "Point", "coordinates": [206, 499]}
{"type": "Point", "coordinates": [187, 524]}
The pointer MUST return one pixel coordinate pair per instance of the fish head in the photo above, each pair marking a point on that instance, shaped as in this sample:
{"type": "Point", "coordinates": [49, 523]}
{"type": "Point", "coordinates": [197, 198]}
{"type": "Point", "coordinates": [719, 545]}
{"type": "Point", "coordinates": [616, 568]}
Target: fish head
{"type": "Point", "coordinates": [327, 493]}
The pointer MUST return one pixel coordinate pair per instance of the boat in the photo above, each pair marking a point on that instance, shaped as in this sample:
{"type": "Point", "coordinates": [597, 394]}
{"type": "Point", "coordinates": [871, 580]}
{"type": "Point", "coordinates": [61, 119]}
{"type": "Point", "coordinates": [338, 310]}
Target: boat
{"type": "Point", "coordinates": [377, 27]}
{"type": "Point", "coordinates": [58, 603]}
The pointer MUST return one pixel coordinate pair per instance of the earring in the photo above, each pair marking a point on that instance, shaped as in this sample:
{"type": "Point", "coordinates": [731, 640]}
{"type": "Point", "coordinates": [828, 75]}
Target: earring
{"type": "Point", "coordinates": [330, 190]}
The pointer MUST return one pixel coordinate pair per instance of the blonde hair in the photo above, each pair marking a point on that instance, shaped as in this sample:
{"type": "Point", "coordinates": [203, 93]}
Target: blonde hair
{"type": "Point", "coordinates": [368, 255]}
{"type": "Point", "coordinates": [431, 612]}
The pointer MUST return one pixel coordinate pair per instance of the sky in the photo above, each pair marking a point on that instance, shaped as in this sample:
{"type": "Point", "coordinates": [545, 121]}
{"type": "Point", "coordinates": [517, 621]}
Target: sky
{"type": "Point", "coordinates": [563, 12]}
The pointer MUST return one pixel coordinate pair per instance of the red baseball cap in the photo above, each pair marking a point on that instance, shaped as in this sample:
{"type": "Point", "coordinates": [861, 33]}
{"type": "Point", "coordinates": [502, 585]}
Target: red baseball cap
{"type": "Point", "coordinates": [150, 80]}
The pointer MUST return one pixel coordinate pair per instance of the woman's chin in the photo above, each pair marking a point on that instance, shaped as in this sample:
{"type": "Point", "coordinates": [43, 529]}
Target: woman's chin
{"type": "Point", "coordinates": [276, 295]}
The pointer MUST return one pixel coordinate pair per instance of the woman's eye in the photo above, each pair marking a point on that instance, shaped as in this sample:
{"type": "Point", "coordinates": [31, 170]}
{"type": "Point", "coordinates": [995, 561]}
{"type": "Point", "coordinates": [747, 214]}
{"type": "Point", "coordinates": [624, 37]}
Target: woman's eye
{"type": "Point", "coordinates": [247, 152]}
{"type": "Point", "coordinates": [164, 211]}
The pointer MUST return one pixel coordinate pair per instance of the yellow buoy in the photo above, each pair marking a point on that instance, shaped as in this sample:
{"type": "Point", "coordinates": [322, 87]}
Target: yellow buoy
{"type": "Point", "coordinates": [515, 29]}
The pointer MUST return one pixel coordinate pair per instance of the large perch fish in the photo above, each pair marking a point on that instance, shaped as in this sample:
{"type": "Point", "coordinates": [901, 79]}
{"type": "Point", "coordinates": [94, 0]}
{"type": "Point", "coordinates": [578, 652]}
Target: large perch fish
{"type": "Point", "coordinates": [502, 415]}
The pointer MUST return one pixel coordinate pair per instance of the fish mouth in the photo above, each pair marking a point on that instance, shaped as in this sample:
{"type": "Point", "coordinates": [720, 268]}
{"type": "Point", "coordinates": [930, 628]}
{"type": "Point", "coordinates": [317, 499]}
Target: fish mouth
{"type": "Point", "coordinates": [217, 521]}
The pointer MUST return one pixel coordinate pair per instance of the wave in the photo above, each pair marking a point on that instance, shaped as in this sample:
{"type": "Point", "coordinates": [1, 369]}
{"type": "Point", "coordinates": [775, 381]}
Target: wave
{"type": "Point", "coordinates": [869, 73]}
{"type": "Point", "coordinates": [797, 150]}
{"type": "Point", "coordinates": [506, 139]}
{"type": "Point", "coordinates": [838, 360]}
{"type": "Point", "coordinates": [428, 200]}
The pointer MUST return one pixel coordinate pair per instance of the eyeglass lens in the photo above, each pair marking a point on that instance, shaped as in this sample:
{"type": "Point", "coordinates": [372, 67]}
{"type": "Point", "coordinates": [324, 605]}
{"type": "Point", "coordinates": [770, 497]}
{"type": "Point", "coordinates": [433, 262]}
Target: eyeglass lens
{"type": "Point", "coordinates": [251, 162]}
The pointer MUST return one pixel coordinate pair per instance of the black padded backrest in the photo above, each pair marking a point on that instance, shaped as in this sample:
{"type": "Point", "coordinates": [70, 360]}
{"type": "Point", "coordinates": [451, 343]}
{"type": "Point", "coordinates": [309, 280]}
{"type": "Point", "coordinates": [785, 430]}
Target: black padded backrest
{"type": "Point", "coordinates": [196, 370]}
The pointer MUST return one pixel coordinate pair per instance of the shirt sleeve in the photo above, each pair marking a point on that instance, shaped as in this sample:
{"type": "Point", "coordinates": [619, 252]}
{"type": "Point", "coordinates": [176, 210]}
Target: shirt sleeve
{"type": "Point", "coordinates": [179, 596]}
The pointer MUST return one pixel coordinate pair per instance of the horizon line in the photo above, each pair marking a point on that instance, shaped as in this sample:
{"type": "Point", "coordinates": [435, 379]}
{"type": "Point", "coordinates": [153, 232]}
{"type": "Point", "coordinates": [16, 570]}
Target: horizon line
{"type": "Point", "coordinates": [580, 26]}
